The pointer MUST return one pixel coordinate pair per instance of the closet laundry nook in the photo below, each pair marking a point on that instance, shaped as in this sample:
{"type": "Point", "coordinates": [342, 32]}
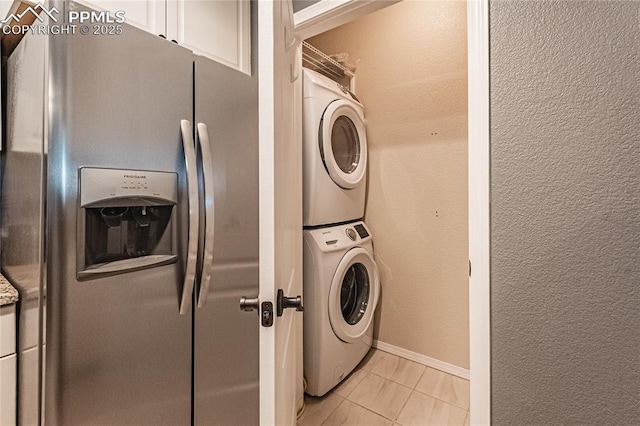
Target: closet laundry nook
{"type": "Point", "coordinates": [410, 80]}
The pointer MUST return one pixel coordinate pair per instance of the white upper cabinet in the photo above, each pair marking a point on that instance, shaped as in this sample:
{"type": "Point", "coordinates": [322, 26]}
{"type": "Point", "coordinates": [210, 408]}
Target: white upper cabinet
{"type": "Point", "coordinates": [220, 30]}
{"type": "Point", "coordinates": [149, 15]}
{"type": "Point", "coordinates": [217, 29]}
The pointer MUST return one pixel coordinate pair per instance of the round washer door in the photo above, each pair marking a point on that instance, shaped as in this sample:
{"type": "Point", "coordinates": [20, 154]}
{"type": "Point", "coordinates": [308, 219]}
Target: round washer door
{"type": "Point", "coordinates": [343, 144]}
{"type": "Point", "coordinates": [353, 295]}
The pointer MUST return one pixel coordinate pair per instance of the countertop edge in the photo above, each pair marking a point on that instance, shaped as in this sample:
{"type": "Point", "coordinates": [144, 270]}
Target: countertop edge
{"type": "Point", "coordinates": [8, 293]}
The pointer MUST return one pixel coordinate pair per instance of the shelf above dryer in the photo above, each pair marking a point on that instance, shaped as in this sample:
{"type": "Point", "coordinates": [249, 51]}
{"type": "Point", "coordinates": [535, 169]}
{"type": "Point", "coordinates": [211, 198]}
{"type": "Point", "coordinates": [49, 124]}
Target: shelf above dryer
{"type": "Point", "coordinates": [336, 67]}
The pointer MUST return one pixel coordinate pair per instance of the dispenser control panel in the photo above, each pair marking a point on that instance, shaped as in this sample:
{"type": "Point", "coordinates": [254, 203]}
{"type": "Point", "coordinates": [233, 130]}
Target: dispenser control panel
{"type": "Point", "coordinates": [102, 185]}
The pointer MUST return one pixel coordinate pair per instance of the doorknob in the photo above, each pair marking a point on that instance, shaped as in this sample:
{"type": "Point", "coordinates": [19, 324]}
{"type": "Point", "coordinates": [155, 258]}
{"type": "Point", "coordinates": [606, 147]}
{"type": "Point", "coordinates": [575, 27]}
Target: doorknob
{"type": "Point", "coordinates": [288, 302]}
{"type": "Point", "coordinates": [249, 304]}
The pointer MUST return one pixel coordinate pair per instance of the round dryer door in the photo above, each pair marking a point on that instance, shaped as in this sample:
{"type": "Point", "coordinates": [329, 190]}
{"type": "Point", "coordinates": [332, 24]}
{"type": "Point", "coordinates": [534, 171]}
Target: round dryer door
{"type": "Point", "coordinates": [353, 295]}
{"type": "Point", "coordinates": [343, 144]}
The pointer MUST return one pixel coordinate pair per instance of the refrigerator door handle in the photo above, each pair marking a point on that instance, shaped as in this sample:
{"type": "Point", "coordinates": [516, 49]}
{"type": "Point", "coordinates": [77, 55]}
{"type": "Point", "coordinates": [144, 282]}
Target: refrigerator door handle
{"type": "Point", "coordinates": [194, 213]}
{"type": "Point", "coordinates": [209, 216]}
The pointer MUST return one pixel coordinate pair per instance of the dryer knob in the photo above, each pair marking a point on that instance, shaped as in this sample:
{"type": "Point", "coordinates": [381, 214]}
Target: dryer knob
{"type": "Point", "coordinates": [351, 234]}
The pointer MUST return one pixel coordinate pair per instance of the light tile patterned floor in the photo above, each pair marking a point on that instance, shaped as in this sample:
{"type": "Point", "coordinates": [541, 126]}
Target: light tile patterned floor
{"type": "Point", "coordinates": [387, 390]}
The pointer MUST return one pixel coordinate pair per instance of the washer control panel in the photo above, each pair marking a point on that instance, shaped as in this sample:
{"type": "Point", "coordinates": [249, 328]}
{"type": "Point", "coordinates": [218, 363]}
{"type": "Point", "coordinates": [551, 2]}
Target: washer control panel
{"type": "Point", "coordinates": [340, 236]}
{"type": "Point", "coordinates": [361, 230]}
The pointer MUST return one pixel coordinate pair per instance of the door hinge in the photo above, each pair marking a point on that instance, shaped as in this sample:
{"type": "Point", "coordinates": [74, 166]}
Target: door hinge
{"type": "Point", "coordinates": [469, 267]}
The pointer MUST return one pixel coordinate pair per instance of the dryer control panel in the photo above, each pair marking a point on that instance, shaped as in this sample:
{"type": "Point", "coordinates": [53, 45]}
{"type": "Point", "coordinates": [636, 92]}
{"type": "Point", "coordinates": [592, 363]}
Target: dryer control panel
{"type": "Point", "coordinates": [340, 237]}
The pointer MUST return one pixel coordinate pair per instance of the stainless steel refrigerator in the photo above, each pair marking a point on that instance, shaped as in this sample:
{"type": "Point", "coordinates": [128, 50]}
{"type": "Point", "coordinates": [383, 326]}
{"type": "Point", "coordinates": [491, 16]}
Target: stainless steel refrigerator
{"type": "Point", "coordinates": [130, 228]}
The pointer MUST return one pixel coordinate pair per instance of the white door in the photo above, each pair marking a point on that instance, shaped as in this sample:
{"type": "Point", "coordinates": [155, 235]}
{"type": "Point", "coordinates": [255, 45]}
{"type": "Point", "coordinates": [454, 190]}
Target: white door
{"type": "Point", "coordinates": [280, 209]}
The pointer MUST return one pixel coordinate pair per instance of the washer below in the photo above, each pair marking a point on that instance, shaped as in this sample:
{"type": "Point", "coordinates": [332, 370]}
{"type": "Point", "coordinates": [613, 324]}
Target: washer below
{"type": "Point", "coordinates": [341, 291]}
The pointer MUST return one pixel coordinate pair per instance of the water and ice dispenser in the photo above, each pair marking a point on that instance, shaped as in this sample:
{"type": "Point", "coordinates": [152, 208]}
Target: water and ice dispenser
{"type": "Point", "coordinates": [126, 220]}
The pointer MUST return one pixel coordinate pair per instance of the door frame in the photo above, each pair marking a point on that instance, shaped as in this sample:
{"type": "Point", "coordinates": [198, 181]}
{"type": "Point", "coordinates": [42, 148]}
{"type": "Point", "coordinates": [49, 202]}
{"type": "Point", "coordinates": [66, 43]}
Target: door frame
{"type": "Point", "coordinates": [479, 211]}
{"type": "Point", "coordinates": [325, 15]}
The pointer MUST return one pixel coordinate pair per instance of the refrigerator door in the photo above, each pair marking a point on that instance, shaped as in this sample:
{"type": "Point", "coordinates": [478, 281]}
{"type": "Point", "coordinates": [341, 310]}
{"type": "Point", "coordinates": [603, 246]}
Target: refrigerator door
{"type": "Point", "coordinates": [226, 345]}
{"type": "Point", "coordinates": [118, 351]}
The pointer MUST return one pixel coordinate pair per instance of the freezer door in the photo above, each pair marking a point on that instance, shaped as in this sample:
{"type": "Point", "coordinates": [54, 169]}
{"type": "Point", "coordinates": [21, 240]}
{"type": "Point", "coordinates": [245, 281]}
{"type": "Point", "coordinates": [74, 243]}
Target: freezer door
{"type": "Point", "coordinates": [226, 345]}
{"type": "Point", "coordinates": [118, 351]}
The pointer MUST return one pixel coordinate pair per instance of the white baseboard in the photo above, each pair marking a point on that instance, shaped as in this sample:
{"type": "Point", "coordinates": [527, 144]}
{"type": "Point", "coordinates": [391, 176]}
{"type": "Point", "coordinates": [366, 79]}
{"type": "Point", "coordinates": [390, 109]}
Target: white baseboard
{"type": "Point", "coordinates": [422, 359]}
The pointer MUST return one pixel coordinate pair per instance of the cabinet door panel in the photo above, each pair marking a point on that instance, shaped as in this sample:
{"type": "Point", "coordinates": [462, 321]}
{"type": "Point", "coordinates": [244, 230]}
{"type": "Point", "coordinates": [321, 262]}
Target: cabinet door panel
{"type": "Point", "coordinates": [148, 15]}
{"type": "Point", "coordinates": [8, 390]}
{"type": "Point", "coordinates": [7, 329]}
{"type": "Point", "coordinates": [219, 30]}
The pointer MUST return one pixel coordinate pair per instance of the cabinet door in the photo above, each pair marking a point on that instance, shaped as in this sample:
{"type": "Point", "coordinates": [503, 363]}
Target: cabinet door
{"type": "Point", "coordinates": [220, 30]}
{"type": "Point", "coordinates": [8, 390]}
{"type": "Point", "coordinates": [7, 329]}
{"type": "Point", "coordinates": [149, 15]}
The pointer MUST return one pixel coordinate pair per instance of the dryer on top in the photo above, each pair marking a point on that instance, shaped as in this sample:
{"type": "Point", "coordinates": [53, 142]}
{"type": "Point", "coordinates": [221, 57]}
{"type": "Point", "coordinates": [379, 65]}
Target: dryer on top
{"type": "Point", "coordinates": [334, 151]}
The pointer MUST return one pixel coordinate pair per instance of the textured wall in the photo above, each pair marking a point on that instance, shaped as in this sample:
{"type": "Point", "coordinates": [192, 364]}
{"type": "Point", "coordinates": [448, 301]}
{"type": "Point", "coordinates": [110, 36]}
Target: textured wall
{"type": "Point", "coordinates": [412, 80]}
{"type": "Point", "coordinates": [565, 156]}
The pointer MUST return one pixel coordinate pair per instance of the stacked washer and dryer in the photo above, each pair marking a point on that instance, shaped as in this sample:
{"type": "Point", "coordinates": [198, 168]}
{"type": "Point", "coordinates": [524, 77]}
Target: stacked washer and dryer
{"type": "Point", "coordinates": [341, 281]}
